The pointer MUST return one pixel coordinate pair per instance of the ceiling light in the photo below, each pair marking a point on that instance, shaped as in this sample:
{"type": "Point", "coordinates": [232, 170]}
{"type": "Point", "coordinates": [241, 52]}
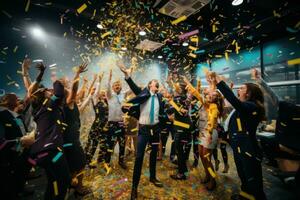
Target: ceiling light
{"type": "Point", "coordinates": [237, 2]}
{"type": "Point", "coordinates": [142, 33]}
{"type": "Point", "coordinates": [37, 32]}
{"type": "Point", "coordinates": [99, 26]}
{"type": "Point", "coordinates": [160, 57]}
{"type": "Point", "coordinates": [185, 44]}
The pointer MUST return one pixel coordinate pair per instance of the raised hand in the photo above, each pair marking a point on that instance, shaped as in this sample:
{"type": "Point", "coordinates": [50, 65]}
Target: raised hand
{"type": "Point", "coordinates": [26, 63]}
{"type": "Point", "coordinates": [122, 67]}
{"type": "Point", "coordinates": [100, 76]}
{"type": "Point", "coordinates": [41, 67]}
{"type": "Point", "coordinates": [82, 68]}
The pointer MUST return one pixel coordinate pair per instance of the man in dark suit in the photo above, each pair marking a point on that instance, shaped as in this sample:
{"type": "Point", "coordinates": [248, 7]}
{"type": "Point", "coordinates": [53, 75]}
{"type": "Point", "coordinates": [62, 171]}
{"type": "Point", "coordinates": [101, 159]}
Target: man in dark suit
{"type": "Point", "coordinates": [148, 108]}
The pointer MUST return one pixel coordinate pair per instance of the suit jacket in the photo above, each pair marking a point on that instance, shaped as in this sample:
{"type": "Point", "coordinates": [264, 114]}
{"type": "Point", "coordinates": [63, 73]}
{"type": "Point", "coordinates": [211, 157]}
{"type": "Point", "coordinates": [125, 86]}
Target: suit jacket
{"type": "Point", "coordinates": [142, 95]}
{"type": "Point", "coordinates": [9, 130]}
{"type": "Point", "coordinates": [243, 122]}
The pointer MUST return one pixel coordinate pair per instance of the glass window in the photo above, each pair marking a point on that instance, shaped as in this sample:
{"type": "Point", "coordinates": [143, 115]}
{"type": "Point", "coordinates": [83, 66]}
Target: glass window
{"type": "Point", "coordinates": [281, 72]}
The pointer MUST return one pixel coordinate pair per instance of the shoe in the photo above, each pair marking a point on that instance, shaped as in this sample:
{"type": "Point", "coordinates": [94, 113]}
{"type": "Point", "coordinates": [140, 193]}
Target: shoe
{"type": "Point", "coordinates": [175, 162]}
{"type": "Point", "coordinates": [156, 182]}
{"type": "Point", "coordinates": [178, 176]}
{"type": "Point", "coordinates": [226, 168]}
{"type": "Point", "coordinates": [133, 194]}
{"type": "Point", "coordinates": [123, 165]}
{"type": "Point", "coordinates": [217, 164]}
{"type": "Point", "coordinates": [211, 185]}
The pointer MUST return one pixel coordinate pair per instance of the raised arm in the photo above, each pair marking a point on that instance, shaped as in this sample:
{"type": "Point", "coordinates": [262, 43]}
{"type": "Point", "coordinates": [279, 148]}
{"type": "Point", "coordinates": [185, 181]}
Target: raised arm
{"type": "Point", "coordinates": [127, 72]}
{"type": "Point", "coordinates": [89, 97]}
{"type": "Point", "coordinates": [71, 99]}
{"type": "Point", "coordinates": [34, 86]}
{"type": "Point", "coordinates": [98, 88]}
{"type": "Point", "coordinates": [265, 88]}
{"type": "Point", "coordinates": [108, 89]}
{"type": "Point", "coordinates": [193, 90]}
{"type": "Point", "coordinates": [83, 89]}
{"type": "Point", "coordinates": [25, 73]}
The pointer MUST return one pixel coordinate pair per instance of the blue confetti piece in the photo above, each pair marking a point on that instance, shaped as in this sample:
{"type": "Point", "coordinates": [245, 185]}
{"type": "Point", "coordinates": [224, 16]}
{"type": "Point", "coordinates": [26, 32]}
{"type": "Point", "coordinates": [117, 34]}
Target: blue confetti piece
{"type": "Point", "coordinates": [67, 145]}
{"type": "Point", "coordinates": [291, 30]}
{"type": "Point", "coordinates": [53, 98]}
{"type": "Point", "coordinates": [200, 51]}
{"type": "Point", "coordinates": [58, 155]}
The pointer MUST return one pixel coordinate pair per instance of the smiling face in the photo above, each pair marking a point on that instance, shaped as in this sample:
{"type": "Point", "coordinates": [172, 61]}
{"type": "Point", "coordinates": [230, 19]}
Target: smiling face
{"type": "Point", "coordinates": [153, 86]}
{"type": "Point", "coordinates": [117, 87]}
{"type": "Point", "coordinates": [243, 93]}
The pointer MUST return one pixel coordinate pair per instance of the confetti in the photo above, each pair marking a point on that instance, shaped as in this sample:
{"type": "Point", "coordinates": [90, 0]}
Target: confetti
{"type": "Point", "coordinates": [293, 61]}
{"type": "Point", "coordinates": [178, 20]}
{"type": "Point", "coordinates": [189, 34]}
{"type": "Point", "coordinates": [55, 188]}
{"type": "Point", "coordinates": [105, 34]}
{"type": "Point", "coordinates": [239, 125]}
{"type": "Point", "coordinates": [58, 155]}
{"type": "Point", "coordinates": [247, 196]}
{"type": "Point", "coordinates": [27, 6]}
{"type": "Point", "coordinates": [181, 124]}
{"type": "Point", "coordinates": [212, 173]}
{"type": "Point", "coordinates": [81, 8]}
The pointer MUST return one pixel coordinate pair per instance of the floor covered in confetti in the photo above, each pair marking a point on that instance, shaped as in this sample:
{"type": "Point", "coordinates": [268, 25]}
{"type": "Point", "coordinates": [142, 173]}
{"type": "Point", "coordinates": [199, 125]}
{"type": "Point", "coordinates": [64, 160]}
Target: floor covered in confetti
{"type": "Point", "coordinates": [117, 184]}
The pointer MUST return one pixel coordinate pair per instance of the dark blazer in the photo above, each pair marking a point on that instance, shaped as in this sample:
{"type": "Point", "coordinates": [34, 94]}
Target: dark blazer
{"type": "Point", "coordinates": [49, 118]}
{"type": "Point", "coordinates": [246, 113]}
{"type": "Point", "coordinates": [142, 95]}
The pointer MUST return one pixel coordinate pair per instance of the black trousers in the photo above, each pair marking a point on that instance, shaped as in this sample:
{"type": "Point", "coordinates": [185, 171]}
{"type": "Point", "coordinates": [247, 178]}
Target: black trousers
{"type": "Point", "coordinates": [147, 135]}
{"type": "Point", "coordinates": [58, 175]}
{"type": "Point", "coordinates": [182, 137]}
{"type": "Point", "coordinates": [164, 135]}
{"type": "Point", "coordinates": [116, 134]}
{"type": "Point", "coordinates": [247, 160]}
{"type": "Point", "coordinates": [96, 137]}
{"type": "Point", "coordinates": [193, 141]}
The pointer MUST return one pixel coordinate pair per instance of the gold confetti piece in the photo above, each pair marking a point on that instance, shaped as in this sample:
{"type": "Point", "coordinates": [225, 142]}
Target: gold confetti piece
{"type": "Point", "coordinates": [135, 129]}
{"type": "Point", "coordinates": [226, 56]}
{"type": "Point", "coordinates": [181, 124]}
{"type": "Point", "coordinates": [81, 8]}
{"type": "Point", "coordinates": [27, 6]}
{"type": "Point", "coordinates": [293, 61]}
{"type": "Point", "coordinates": [283, 124]}
{"type": "Point", "coordinates": [178, 20]}
{"type": "Point", "coordinates": [248, 154]}
{"type": "Point", "coordinates": [110, 150]}
{"type": "Point", "coordinates": [247, 196]}
{"type": "Point", "coordinates": [8, 125]}
{"type": "Point", "coordinates": [15, 49]}
{"type": "Point", "coordinates": [193, 55]}
{"type": "Point", "coordinates": [233, 42]}
{"type": "Point", "coordinates": [105, 34]}
{"type": "Point", "coordinates": [296, 118]}
{"type": "Point", "coordinates": [195, 39]}
{"type": "Point", "coordinates": [218, 56]}
{"type": "Point", "coordinates": [214, 28]}
{"type": "Point", "coordinates": [254, 113]}
{"type": "Point", "coordinates": [239, 125]}
{"type": "Point", "coordinates": [193, 48]}
{"type": "Point", "coordinates": [237, 48]}
{"type": "Point", "coordinates": [45, 101]}
{"type": "Point", "coordinates": [127, 104]}
{"type": "Point", "coordinates": [212, 173]}
{"type": "Point", "coordinates": [259, 25]}
{"type": "Point", "coordinates": [55, 188]}
{"type": "Point", "coordinates": [50, 109]}
{"type": "Point", "coordinates": [239, 149]}
{"type": "Point", "coordinates": [58, 121]}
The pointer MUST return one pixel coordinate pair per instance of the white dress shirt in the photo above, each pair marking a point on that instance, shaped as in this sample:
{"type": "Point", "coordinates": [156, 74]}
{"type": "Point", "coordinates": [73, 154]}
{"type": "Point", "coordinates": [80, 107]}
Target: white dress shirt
{"type": "Point", "coordinates": [145, 111]}
{"type": "Point", "coordinates": [115, 113]}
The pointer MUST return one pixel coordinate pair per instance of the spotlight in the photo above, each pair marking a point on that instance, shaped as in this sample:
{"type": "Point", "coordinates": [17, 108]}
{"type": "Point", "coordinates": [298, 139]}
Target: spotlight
{"type": "Point", "coordinates": [142, 33]}
{"type": "Point", "coordinates": [236, 2]}
{"type": "Point", "coordinates": [37, 32]}
{"type": "Point", "coordinates": [100, 26]}
{"type": "Point", "coordinates": [160, 57]}
{"type": "Point", "coordinates": [185, 44]}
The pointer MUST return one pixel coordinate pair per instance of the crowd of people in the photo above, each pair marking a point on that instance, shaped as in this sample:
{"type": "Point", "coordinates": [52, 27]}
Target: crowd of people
{"type": "Point", "coordinates": [43, 130]}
